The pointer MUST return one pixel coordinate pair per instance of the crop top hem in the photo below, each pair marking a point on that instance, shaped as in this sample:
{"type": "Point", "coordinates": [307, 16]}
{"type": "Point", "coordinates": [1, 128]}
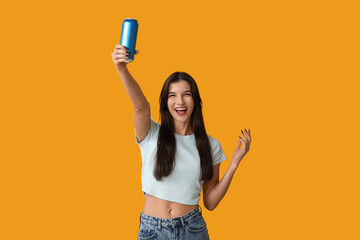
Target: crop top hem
{"type": "Point", "coordinates": [166, 198]}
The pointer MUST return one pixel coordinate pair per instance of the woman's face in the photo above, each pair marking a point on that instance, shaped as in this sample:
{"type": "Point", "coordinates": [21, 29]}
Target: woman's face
{"type": "Point", "coordinates": [180, 101]}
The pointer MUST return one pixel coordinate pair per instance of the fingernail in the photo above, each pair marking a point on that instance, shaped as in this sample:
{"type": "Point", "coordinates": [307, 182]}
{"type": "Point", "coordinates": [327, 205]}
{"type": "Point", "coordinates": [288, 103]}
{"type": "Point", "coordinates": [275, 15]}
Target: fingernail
{"type": "Point", "coordinates": [126, 48]}
{"type": "Point", "coordinates": [242, 132]}
{"type": "Point", "coordinates": [128, 52]}
{"type": "Point", "coordinates": [128, 55]}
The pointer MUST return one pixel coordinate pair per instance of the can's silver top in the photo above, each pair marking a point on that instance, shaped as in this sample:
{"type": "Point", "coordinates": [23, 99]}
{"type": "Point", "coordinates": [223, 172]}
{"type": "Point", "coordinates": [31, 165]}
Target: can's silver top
{"type": "Point", "coordinates": [131, 19]}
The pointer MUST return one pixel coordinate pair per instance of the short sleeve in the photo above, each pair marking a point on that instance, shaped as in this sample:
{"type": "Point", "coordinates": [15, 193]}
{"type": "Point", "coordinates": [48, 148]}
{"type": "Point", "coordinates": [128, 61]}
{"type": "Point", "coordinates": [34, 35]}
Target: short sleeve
{"type": "Point", "coordinates": [218, 153]}
{"type": "Point", "coordinates": [152, 132]}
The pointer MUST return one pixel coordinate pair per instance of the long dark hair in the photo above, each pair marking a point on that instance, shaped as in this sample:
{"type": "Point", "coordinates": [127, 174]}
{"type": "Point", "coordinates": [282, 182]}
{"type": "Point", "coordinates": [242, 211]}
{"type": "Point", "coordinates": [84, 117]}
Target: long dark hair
{"type": "Point", "coordinates": [166, 144]}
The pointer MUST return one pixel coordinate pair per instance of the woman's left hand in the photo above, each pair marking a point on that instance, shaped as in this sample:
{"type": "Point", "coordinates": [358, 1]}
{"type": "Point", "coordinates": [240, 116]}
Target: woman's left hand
{"type": "Point", "coordinates": [239, 153]}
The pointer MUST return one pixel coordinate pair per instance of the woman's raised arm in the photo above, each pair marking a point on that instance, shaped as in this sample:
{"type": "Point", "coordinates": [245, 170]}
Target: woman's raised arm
{"type": "Point", "coordinates": [142, 117]}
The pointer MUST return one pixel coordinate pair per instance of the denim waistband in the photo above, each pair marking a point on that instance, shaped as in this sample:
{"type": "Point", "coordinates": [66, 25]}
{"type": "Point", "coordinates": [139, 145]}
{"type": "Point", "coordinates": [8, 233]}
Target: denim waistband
{"type": "Point", "coordinates": [167, 222]}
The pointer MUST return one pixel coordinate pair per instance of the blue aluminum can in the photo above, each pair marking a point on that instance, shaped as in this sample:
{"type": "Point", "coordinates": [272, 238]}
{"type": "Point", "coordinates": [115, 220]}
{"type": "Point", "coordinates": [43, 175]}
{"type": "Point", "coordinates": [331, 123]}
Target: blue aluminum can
{"type": "Point", "coordinates": [129, 35]}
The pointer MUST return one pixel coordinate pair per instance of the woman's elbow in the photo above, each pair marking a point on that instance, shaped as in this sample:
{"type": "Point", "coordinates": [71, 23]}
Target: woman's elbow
{"type": "Point", "coordinates": [210, 209]}
{"type": "Point", "coordinates": [209, 206]}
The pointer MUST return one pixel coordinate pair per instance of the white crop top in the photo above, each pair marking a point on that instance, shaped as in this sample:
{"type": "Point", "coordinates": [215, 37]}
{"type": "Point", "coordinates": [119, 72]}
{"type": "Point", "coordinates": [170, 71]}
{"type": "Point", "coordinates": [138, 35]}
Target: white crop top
{"type": "Point", "coordinates": [183, 185]}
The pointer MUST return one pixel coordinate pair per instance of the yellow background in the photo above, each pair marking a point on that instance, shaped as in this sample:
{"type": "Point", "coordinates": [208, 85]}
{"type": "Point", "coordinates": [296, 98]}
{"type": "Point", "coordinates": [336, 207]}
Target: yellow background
{"type": "Point", "coordinates": [287, 70]}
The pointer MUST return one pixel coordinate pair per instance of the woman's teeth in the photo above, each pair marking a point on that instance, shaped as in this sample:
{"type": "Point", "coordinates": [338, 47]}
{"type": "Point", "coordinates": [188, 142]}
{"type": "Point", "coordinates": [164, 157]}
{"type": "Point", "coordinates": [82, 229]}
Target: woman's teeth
{"type": "Point", "coordinates": [181, 111]}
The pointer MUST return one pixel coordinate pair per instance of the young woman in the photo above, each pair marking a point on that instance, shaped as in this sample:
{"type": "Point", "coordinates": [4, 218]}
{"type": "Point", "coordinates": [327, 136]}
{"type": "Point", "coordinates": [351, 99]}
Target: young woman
{"type": "Point", "coordinates": [179, 159]}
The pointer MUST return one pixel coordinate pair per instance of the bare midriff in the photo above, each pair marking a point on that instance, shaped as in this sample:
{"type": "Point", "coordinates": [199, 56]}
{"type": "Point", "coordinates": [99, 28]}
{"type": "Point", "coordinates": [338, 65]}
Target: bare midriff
{"type": "Point", "coordinates": [160, 208]}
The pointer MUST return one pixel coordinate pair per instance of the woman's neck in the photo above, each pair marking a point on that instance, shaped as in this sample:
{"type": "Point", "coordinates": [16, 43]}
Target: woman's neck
{"type": "Point", "coordinates": [183, 129]}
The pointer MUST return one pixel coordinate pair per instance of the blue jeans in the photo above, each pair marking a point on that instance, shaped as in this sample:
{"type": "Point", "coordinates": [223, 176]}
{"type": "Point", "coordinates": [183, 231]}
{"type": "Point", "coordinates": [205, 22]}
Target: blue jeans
{"type": "Point", "coordinates": [190, 226]}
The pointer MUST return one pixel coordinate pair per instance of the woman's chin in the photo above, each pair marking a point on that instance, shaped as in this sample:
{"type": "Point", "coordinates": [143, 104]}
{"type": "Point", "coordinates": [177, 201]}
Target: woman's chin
{"type": "Point", "coordinates": [182, 119]}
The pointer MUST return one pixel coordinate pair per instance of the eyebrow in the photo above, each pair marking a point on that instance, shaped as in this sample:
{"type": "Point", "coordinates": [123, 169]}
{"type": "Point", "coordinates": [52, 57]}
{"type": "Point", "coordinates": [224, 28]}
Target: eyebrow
{"type": "Point", "coordinates": [183, 92]}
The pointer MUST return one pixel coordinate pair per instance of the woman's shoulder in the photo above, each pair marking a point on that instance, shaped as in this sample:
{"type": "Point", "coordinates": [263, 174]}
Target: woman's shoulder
{"type": "Point", "coordinates": [213, 141]}
{"type": "Point", "coordinates": [155, 124]}
{"type": "Point", "coordinates": [151, 135]}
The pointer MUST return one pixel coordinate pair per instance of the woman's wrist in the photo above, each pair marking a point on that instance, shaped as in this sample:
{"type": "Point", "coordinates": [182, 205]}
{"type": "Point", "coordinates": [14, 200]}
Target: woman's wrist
{"type": "Point", "coordinates": [121, 67]}
{"type": "Point", "coordinates": [234, 165]}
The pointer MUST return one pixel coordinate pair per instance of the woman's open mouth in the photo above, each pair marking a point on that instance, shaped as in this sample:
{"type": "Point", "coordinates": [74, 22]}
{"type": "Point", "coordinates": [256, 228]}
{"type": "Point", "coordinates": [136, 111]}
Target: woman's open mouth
{"type": "Point", "coordinates": [181, 111]}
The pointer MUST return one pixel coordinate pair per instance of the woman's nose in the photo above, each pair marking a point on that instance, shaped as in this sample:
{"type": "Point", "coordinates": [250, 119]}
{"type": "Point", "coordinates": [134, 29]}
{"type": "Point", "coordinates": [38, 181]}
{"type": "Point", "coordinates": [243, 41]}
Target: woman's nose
{"type": "Point", "coordinates": [180, 100]}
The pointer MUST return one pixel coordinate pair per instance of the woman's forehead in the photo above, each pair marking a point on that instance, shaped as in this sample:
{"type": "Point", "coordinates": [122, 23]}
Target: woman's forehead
{"type": "Point", "coordinates": [180, 86]}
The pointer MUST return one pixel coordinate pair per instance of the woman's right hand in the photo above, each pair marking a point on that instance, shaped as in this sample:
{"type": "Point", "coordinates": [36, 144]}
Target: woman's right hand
{"type": "Point", "coordinates": [121, 55]}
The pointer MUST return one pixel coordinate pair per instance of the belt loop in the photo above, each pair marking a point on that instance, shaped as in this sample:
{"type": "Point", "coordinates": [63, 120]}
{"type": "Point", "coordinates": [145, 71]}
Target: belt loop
{"type": "Point", "coordinates": [159, 223]}
{"type": "Point", "coordinates": [200, 208]}
{"type": "Point", "coordinates": [182, 221]}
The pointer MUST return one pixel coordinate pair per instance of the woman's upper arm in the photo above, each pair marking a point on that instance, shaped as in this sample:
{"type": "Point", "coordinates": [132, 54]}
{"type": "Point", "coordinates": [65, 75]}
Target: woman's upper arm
{"type": "Point", "coordinates": [209, 184]}
{"type": "Point", "coordinates": [142, 121]}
